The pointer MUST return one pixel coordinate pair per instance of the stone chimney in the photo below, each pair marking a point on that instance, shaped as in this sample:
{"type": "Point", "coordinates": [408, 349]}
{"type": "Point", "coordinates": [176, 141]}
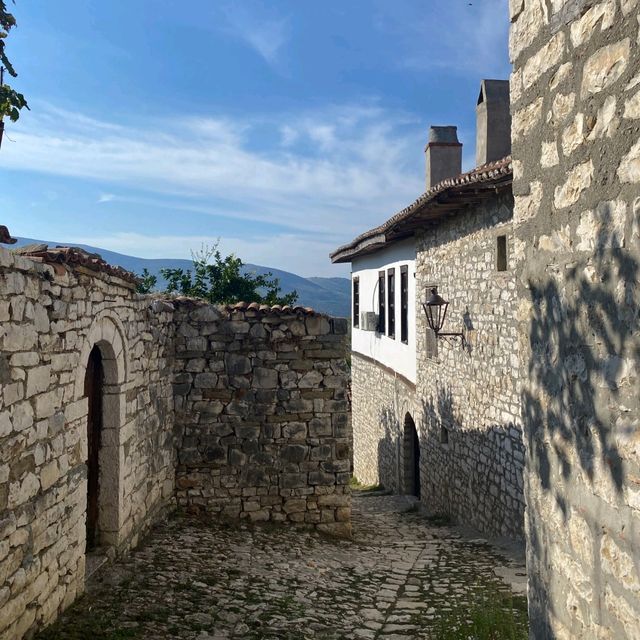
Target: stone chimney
{"type": "Point", "coordinates": [444, 155]}
{"type": "Point", "coordinates": [493, 125]}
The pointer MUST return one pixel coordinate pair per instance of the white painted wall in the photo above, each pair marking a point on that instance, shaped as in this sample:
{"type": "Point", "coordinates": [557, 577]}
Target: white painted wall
{"type": "Point", "coordinates": [391, 352]}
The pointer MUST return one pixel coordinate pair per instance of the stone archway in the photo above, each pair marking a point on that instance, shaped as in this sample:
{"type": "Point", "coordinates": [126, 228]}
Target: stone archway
{"type": "Point", "coordinates": [410, 458]}
{"type": "Point", "coordinates": [101, 379]}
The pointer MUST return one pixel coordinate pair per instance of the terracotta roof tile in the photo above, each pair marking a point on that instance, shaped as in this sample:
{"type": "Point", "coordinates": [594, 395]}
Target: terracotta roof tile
{"type": "Point", "coordinates": [74, 256]}
{"type": "Point", "coordinates": [5, 236]}
{"type": "Point", "coordinates": [276, 309]}
{"type": "Point", "coordinates": [492, 172]}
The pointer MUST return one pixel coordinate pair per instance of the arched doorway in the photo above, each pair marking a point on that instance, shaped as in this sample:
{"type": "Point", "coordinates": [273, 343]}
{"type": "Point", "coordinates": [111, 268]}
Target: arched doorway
{"type": "Point", "coordinates": [94, 391]}
{"type": "Point", "coordinates": [411, 450]}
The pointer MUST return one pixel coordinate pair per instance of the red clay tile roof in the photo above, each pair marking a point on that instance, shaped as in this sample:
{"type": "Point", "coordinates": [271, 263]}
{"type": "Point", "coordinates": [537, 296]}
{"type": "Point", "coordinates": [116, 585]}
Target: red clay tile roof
{"type": "Point", "coordinates": [74, 256]}
{"type": "Point", "coordinates": [275, 309]}
{"type": "Point", "coordinates": [496, 173]}
{"type": "Point", "coordinates": [256, 307]}
{"type": "Point", "coordinates": [5, 236]}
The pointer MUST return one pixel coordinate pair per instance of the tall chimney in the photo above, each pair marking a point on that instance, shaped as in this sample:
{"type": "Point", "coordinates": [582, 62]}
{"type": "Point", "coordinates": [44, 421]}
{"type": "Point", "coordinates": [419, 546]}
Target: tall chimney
{"type": "Point", "coordinates": [444, 155]}
{"type": "Point", "coordinates": [493, 128]}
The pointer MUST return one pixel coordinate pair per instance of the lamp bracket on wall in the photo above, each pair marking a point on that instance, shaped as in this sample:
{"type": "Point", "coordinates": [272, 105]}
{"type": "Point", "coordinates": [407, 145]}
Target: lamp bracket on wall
{"type": "Point", "coordinates": [435, 308]}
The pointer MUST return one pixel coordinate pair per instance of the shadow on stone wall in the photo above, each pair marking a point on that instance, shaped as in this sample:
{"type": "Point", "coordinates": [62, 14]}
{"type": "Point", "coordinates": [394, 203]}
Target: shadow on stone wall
{"type": "Point", "coordinates": [388, 459]}
{"type": "Point", "coordinates": [472, 474]}
{"type": "Point", "coordinates": [581, 337]}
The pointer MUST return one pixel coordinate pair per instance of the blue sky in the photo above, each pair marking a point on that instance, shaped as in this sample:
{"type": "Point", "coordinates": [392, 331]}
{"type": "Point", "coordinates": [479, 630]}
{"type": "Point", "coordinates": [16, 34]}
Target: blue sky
{"type": "Point", "coordinates": [284, 128]}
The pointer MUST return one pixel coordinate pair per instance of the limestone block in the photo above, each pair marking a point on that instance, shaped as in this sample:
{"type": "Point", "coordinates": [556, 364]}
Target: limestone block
{"type": "Point", "coordinates": [295, 431]}
{"type": "Point", "coordinates": [558, 240]}
{"type": "Point", "coordinates": [205, 380]}
{"type": "Point", "coordinates": [22, 416]}
{"type": "Point", "coordinates": [546, 58]}
{"type": "Point", "coordinates": [526, 27]}
{"type": "Point", "coordinates": [49, 475]}
{"type": "Point", "coordinates": [562, 106]}
{"type": "Point", "coordinates": [310, 380]}
{"type": "Point", "coordinates": [22, 491]}
{"type": "Point", "coordinates": [549, 154]}
{"type": "Point", "coordinates": [578, 180]}
{"type": "Point", "coordinates": [294, 453]}
{"type": "Point", "coordinates": [574, 135]}
{"type": "Point", "coordinates": [206, 313]}
{"type": "Point", "coordinates": [560, 77]}
{"type": "Point", "coordinates": [526, 119]}
{"type": "Point", "coordinates": [607, 122]}
{"type": "Point", "coordinates": [629, 169]}
{"type": "Point", "coordinates": [632, 107]}
{"type": "Point", "coordinates": [583, 28]}
{"type": "Point", "coordinates": [239, 326]}
{"type": "Point", "coordinates": [620, 610]}
{"type": "Point", "coordinates": [237, 364]}
{"type": "Point", "coordinates": [317, 326]}
{"type": "Point", "coordinates": [18, 337]}
{"type": "Point", "coordinates": [604, 67]}
{"type": "Point", "coordinates": [38, 380]}
{"type": "Point", "coordinates": [264, 378]}
{"type": "Point", "coordinates": [515, 8]}
{"type": "Point", "coordinates": [602, 228]}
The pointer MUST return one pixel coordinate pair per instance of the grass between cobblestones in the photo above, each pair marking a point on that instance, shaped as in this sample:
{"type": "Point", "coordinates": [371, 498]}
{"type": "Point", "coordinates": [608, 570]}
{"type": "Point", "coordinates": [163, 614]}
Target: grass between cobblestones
{"type": "Point", "coordinates": [402, 576]}
{"type": "Point", "coordinates": [491, 616]}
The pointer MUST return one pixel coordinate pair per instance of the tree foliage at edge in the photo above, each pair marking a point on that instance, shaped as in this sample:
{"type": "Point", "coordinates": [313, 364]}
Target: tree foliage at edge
{"type": "Point", "coordinates": [219, 279]}
{"type": "Point", "coordinates": [10, 100]}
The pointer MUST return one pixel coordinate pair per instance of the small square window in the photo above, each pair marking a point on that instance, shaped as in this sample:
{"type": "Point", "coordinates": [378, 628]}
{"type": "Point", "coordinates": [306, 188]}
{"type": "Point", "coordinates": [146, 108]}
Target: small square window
{"type": "Point", "coordinates": [501, 253]}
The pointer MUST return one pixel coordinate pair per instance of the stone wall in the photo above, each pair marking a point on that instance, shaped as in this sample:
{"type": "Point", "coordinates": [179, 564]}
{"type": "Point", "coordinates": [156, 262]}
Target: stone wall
{"type": "Point", "coordinates": [382, 400]}
{"type": "Point", "coordinates": [246, 408]}
{"type": "Point", "coordinates": [472, 454]}
{"type": "Point", "coordinates": [263, 415]}
{"type": "Point", "coordinates": [576, 144]}
{"type": "Point", "coordinates": [50, 320]}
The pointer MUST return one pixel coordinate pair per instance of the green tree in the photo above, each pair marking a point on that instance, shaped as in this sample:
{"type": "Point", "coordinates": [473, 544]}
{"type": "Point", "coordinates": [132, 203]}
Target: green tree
{"type": "Point", "coordinates": [10, 100]}
{"type": "Point", "coordinates": [219, 280]}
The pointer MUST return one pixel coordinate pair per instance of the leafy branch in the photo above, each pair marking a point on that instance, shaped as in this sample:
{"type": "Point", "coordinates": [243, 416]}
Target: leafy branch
{"type": "Point", "coordinates": [11, 102]}
{"type": "Point", "coordinates": [219, 280]}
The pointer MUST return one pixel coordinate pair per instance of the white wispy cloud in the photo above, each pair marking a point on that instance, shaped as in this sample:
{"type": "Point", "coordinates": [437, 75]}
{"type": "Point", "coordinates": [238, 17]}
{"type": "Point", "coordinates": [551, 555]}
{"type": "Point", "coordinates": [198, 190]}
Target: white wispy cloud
{"type": "Point", "coordinates": [262, 31]}
{"type": "Point", "coordinates": [346, 168]}
{"type": "Point", "coordinates": [106, 197]}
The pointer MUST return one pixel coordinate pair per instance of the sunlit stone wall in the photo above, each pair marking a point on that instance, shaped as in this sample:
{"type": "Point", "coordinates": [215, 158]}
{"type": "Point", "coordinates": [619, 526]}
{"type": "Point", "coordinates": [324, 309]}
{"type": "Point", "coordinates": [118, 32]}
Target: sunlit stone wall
{"type": "Point", "coordinates": [576, 146]}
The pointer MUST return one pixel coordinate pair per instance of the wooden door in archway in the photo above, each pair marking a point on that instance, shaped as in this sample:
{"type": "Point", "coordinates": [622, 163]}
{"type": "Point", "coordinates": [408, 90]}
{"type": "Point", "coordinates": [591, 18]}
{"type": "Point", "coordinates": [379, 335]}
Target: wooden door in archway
{"type": "Point", "coordinates": [411, 457]}
{"type": "Point", "coordinates": [93, 389]}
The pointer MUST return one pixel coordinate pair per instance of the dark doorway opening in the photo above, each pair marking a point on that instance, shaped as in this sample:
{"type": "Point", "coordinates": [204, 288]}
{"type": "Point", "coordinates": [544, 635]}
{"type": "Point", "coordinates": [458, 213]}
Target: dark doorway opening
{"type": "Point", "coordinates": [411, 458]}
{"type": "Point", "coordinates": [93, 390]}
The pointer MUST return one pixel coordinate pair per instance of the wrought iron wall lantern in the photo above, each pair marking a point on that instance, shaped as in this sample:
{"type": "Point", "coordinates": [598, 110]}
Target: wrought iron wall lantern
{"type": "Point", "coordinates": [435, 308]}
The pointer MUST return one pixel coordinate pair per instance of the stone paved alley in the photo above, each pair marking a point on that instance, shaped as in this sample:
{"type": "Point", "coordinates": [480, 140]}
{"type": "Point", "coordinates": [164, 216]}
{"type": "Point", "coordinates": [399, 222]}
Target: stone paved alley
{"type": "Point", "coordinates": [400, 577]}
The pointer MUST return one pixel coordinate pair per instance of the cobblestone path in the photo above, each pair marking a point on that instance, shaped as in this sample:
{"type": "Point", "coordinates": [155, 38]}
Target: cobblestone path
{"type": "Point", "coordinates": [398, 577]}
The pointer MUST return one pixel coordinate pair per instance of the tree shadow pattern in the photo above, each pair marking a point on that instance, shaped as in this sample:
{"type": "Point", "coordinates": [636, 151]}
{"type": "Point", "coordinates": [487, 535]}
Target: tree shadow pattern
{"type": "Point", "coordinates": [577, 401]}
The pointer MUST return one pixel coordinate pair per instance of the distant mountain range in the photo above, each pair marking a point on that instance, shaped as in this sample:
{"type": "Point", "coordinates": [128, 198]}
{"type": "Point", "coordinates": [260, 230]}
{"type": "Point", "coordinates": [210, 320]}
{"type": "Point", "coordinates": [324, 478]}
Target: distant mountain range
{"type": "Point", "coordinates": [327, 295]}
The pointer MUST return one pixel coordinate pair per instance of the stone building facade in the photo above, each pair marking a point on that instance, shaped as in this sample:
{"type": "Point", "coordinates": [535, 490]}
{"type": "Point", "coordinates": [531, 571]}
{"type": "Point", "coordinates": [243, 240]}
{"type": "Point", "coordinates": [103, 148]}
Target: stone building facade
{"type": "Point", "coordinates": [576, 144]}
{"type": "Point", "coordinates": [51, 318]}
{"type": "Point", "coordinates": [472, 454]}
{"type": "Point", "coordinates": [115, 406]}
{"type": "Point", "coordinates": [451, 434]}
{"type": "Point", "coordinates": [383, 408]}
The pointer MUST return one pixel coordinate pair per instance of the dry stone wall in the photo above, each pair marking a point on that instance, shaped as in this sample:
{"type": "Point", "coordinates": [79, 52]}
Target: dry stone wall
{"type": "Point", "coordinates": [257, 400]}
{"type": "Point", "coordinates": [49, 321]}
{"type": "Point", "coordinates": [576, 144]}
{"type": "Point", "coordinates": [472, 454]}
{"type": "Point", "coordinates": [263, 415]}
